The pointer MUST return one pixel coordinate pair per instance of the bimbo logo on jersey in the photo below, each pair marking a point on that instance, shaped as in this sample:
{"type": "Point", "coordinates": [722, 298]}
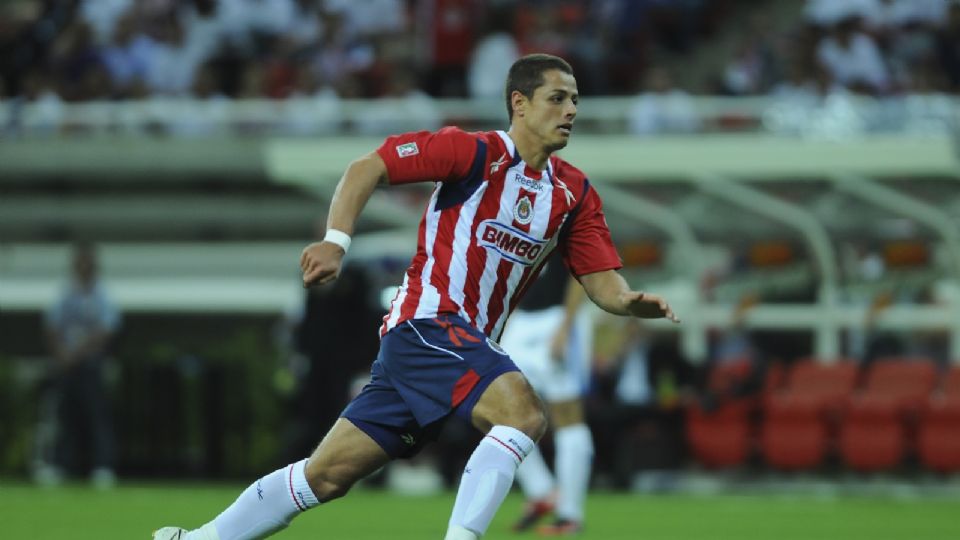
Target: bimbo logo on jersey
{"type": "Point", "coordinates": [510, 243]}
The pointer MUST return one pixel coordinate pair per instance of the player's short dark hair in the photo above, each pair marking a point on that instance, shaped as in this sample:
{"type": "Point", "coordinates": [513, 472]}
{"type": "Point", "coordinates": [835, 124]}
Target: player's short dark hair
{"type": "Point", "coordinates": [526, 75]}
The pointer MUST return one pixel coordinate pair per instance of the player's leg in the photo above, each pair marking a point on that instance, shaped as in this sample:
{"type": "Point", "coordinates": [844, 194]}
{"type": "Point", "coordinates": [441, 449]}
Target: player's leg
{"type": "Point", "coordinates": [563, 388]}
{"type": "Point", "coordinates": [345, 455]}
{"type": "Point", "coordinates": [573, 463]}
{"type": "Point", "coordinates": [513, 418]}
{"type": "Point", "coordinates": [527, 340]}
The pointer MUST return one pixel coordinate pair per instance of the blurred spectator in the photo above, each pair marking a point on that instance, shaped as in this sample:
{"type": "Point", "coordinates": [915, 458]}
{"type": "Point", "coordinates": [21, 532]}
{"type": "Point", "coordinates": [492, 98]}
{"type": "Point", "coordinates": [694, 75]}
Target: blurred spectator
{"type": "Point", "coordinates": [173, 64]}
{"type": "Point", "coordinates": [404, 108]}
{"type": "Point", "coordinates": [46, 111]}
{"type": "Point", "coordinates": [368, 18]}
{"type": "Point", "coordinates": [854, 59]}
{"type": "Point", "coordinates": [338, 59]}
{"type": "Point", "coordinates": [548, 33]}
{"type": "Point", "coordinates": [314, 108]}
{"type": "Point", "coordinates": [80, 326]}
{"type": "Point", "coordinates": [637, 410]}
{"type": "Point", "coordinates": [127, 58]}
{"type": "Point", "coordinates": [447, 32]}
{"type": "Point", "coordinates": [103, 16]}
{"type": "Point", "coordinates": [811, 103]}
{"type": "Point", "coordinates": [948, 48]}
{"type": "Point", "coordinates": [79, 64]}
{"type": "Point", "coordinates": [662, 107]}
{"type": "Point", "coordinates": [205, 115]}
{"type": "Point", "coordinates": [492, 57]}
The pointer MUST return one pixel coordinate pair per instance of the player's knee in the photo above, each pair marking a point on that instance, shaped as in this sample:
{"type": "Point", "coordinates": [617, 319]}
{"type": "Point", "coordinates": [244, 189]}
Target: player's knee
{"type": "Point", "coordinates": [532, 421]}
{"type": "Point", "coordinates": [326, 485]}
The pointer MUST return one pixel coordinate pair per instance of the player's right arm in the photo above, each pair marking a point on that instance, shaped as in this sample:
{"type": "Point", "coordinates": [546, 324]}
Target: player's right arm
{"type": "Point", "coordinates": [446, 155]}
{"type": "Point", "coordinates": [320, 261]}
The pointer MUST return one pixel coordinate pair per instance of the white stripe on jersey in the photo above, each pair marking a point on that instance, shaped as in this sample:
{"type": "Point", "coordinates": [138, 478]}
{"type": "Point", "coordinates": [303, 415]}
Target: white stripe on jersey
{"type": "Point", "coordinates": [462, 240]}
{"type": "Point", "coordinates": [543, 208]}
{"type": "Point", "coordinates": [397, 305]}
{"type": "Point", "coordinates": [429, 296]}
{"type": "Point", "coordinates": [488, 280]}
{"type": "Point", "coordinates": [507, 141]}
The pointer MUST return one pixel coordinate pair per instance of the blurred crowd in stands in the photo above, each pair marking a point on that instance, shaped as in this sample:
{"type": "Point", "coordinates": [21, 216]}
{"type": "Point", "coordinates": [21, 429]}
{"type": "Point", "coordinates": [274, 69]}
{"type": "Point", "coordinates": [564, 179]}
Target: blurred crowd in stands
{"type": "Point", "coordinates": [81, 50]}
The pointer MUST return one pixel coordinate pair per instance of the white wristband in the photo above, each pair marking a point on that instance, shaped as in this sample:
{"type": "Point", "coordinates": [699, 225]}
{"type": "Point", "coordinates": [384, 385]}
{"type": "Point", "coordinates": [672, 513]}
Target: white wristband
{"type": "Point", "coordinates": [339, 238]}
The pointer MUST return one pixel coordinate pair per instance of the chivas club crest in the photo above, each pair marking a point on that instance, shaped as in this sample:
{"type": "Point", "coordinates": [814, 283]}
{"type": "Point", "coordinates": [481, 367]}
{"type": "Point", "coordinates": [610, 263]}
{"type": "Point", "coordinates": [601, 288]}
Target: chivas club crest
{"type": "Point", "coordinates": [523, 211]}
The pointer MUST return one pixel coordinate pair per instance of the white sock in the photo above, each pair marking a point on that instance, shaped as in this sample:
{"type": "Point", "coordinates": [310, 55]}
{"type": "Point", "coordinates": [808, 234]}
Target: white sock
{"type": "Point", "coordinates": [534, 477]}
{"type": "Point", "coordinates": [265, 507]}
{"type": "Point", "coordinates": [486, 480]}
{"type": "Point", "coordinates": [574, 461]}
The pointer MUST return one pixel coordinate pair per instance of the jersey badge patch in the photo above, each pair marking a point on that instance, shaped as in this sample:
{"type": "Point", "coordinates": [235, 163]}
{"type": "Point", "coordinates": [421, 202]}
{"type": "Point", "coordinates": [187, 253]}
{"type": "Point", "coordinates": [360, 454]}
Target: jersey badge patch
{"type": "Point", "coordinates": [407, 149]}
{"type": "Point", "coordinates": [523, 211]}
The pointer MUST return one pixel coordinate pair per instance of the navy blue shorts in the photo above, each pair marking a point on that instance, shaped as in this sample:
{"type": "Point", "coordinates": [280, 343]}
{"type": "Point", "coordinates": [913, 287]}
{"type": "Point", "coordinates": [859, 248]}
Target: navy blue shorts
{"type": "Point", "coordinates": [426, 370]}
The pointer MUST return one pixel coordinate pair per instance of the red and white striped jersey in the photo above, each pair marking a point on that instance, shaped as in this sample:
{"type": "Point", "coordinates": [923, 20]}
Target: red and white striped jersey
{"type": "Point", "coordinates": [490, 225]}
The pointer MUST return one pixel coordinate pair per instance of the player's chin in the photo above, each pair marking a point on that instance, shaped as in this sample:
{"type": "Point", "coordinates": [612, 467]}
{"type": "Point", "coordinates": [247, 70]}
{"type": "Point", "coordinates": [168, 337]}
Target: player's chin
{"type": "Point", "coordinates": [560, 143]}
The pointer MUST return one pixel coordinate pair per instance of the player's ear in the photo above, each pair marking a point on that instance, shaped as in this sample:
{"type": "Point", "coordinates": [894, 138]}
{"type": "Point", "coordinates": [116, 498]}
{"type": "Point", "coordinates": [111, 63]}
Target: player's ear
{"type": "Point", "coordinates": [519, 102]}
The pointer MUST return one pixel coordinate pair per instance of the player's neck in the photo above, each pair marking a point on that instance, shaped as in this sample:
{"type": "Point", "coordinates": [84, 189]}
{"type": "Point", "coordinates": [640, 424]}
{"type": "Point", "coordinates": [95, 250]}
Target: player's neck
{"type": "Point", "coordinates": [531, 150]}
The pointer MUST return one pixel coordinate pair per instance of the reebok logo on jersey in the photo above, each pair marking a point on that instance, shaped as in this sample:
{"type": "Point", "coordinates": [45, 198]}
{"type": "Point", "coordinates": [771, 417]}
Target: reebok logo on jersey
{"type": "Point", "coordinates": [495, 166]}
{"type": "Point", "coordinates": [510, 243]}
{"type": "Point", "coordinates": [408, 149]}
{"type": "Point", "coordinates": [566, 192]}
{"type": "Point", "coordinates": [529, 183]}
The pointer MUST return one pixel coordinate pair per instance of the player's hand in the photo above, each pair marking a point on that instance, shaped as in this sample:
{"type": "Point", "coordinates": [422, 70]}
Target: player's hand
{"type": "Point", "coordinates": [648, 306]}
{"type": "Point", "coordinates": [320, 263]}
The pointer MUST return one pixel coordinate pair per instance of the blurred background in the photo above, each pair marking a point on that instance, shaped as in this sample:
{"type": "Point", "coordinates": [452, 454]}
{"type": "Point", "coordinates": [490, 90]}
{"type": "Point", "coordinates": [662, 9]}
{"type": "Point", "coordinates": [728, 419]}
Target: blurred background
{"type": "Point", "coordinates": [785, 172]}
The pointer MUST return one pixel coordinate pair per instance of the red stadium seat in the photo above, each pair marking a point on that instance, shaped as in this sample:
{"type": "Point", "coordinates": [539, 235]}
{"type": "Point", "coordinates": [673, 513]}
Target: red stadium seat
{"type": "Point", "coordinates": [793, 436]}
{"type": "Point", "coordinates": [796, 433]}
{"type": "Point", "coordinates": [907, 381]}
{"type": "Point", "coordinates": [720, 438]}
{"type": "Point", "coordinates": [880, 420]}
{"type": "Point", "coordinates": [939, 434]}
{"type": "Point", "coordinates": [872, 436]}
{"type": "Point", "coordinates": [724, 377]}
{"type": "Point", "coordinates": [951, 381]}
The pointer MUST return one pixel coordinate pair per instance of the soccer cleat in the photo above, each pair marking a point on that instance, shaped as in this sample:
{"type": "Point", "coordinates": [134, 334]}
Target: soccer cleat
{"type": "Point", "coordinates": [534, 511]}
{"type": "Point", "coordinates": [560, 527]}
{"type": "Point", "coordinates": [170, 533]}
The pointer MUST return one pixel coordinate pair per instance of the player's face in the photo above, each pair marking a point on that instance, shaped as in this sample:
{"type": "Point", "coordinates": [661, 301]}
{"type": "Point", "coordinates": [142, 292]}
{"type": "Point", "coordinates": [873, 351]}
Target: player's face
{"type": "Point", "coordinates": [550, 113]}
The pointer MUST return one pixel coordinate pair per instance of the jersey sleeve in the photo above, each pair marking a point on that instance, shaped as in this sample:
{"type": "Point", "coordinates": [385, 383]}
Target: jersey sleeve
{"type": "Point", "coordinates": [587, 246]}
{"type": "Point", "coordinates": [423, 156]}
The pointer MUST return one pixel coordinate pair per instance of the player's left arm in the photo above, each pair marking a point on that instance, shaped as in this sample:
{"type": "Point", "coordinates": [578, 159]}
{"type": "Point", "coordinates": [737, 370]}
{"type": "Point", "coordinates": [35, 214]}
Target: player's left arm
{"type": "Point", "coordinates": [590, 255]}
{"type": "Point", "coordinates": [608, 290]}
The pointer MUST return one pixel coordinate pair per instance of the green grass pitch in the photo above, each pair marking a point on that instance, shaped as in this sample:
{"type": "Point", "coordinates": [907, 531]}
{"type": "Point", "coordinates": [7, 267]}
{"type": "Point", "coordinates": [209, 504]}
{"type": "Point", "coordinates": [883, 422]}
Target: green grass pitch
{"type": "Point", "coordinates": [132, 512]}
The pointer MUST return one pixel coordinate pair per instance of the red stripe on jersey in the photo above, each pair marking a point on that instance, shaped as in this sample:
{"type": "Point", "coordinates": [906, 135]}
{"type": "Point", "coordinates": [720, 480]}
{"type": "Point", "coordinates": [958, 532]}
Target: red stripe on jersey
{"type": "Point", "coordinates": [442, 253]}
{"type": "Point", "coordinates": [477, 255]}
{"type": "Point", "coordinates": [414, 283]}
{"type": "Point", "coordinates": [495, 304]}
{"type": "Point", "coordinates": [528, 278]}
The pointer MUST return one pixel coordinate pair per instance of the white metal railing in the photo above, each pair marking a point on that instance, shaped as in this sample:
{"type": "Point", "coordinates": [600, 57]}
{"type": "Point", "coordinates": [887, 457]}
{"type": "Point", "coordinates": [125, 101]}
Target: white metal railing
{"type": "Point", "coordinates": [837, 116]}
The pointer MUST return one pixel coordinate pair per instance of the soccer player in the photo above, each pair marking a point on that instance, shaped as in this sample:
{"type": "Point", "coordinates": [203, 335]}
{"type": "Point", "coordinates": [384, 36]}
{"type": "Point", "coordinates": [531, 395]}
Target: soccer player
{"type": "Point", "coordinates": [502, 203]}
{"type": "Point", "coordinates": [549, 338]}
